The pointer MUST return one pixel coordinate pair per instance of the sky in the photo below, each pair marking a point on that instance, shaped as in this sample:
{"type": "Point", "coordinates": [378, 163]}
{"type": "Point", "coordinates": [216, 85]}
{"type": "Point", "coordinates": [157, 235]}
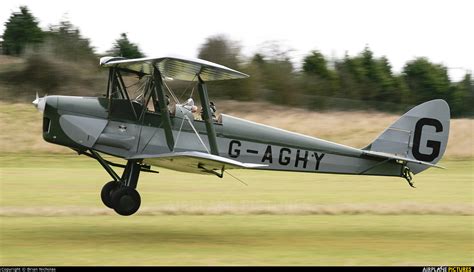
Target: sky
{"type": "Point", "coordinates": [401, 30]}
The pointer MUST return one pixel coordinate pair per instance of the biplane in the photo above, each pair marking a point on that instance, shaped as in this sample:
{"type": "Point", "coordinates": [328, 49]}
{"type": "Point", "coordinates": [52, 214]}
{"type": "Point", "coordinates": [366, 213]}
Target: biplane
{"type": "Point", "coordinates": [149, 126]}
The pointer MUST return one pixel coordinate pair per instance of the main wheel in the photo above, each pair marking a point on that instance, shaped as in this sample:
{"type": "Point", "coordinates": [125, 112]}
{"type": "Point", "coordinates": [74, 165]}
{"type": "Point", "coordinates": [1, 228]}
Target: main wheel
{"type": "Point", "coordinates": [107, 191]}
{"type": "Point", "coordinates": [126, 200]}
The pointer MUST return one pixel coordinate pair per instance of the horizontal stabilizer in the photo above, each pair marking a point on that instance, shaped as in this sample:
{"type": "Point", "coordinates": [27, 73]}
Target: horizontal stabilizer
{"type": "Point", "coordinates": [398, 158]}
{"type": "Point", "coordinates": [195, 162]}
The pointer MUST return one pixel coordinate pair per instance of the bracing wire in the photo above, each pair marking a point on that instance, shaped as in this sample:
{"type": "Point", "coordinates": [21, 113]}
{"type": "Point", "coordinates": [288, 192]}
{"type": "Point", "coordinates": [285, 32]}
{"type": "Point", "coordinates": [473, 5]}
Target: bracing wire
{"type": "Point", "coordinates": [179, 132]}
{"type": "Point", "coordinates": [241, 181]}
{"type": "Point", "coordinates": [194, 129]}
{"type": "Point", "coordinates": [192, 83]}
{"type": "Point", "coordinates": [176, 100]}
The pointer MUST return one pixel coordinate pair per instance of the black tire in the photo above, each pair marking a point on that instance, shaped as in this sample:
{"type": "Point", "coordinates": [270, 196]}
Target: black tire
{"type": "Point", "coordinates": [107, 191]}
{"type": "Point", "coordinates": [126, 201]}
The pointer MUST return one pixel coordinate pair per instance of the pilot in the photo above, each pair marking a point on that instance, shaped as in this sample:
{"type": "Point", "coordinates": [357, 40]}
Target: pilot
{"type": "Point", "coordinates": [213, 108]}
{"type": "Point", "coordinates": [189, 105]}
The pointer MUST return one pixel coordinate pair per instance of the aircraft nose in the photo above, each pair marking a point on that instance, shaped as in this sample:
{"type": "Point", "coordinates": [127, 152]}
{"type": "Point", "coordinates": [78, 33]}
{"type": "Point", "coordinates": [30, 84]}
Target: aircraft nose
{"type": "Point", "coordinates": [39, 102]}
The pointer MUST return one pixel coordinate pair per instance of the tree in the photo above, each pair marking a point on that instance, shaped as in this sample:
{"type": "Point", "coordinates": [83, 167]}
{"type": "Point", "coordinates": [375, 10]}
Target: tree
{"type": "Point", "coordinates": [64, 63]}
{"type": "Point", "coordinates": [221, 50]}
{"type": "Point", "coordinates": [315, 64]}
{"type": "Point", "coordinates": [462, 97]}
{"type": "Point", "coordinates": [278, 75]}
{"type": "Point", "coordinates": [365, 77]}
{"type": "Point", "coordinates": [21, 30]}
{"type": "Point", "coordinates": [124, 48]}
{"type": "Point", "coordinates": [66, 42]}
{"type": "Point", "coordinates": [426, 80]}
{"type": "Point", "coordinates": [317, 81]}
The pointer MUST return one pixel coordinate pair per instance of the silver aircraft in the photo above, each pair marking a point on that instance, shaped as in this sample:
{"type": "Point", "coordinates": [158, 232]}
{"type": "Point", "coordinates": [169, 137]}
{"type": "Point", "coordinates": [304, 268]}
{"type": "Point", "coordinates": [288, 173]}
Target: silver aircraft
{"type": "Point", "coordinates": [137, 122]}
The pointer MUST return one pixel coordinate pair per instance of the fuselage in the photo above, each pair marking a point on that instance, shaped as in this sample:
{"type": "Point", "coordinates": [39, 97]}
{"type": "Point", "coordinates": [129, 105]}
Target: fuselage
{"type": "Point", "coordinates": [113, 127]}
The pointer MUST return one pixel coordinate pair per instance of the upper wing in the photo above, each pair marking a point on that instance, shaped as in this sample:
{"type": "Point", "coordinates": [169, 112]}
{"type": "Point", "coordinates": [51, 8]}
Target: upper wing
{"type": "Point", "coordinates": [195, 162]}
{"type": "Point", "coordinates": [175, 67]}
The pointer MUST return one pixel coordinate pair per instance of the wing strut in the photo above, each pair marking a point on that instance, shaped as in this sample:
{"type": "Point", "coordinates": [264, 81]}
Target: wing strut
{"type": "Point", "coordinates": [163, 108]}
{"type": "Point", "coordinates": [207, 116]}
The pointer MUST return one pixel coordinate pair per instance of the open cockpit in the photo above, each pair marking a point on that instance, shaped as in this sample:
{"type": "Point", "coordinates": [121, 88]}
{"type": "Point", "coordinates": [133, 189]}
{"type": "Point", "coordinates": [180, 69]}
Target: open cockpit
{"type": "Point", "coordinates": [134, 86]}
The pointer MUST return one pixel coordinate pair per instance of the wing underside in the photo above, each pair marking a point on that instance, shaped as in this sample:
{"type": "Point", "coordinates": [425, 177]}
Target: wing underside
{"type": "Point", "coordinates": [195, 162]}
{"type": "Point", "coordinates": [175, 67]}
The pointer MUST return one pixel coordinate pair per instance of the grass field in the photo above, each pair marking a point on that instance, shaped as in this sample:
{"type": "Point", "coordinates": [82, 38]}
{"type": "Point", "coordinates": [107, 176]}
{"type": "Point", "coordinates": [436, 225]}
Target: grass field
{"type": "Point", "coordinates": [51, 214]}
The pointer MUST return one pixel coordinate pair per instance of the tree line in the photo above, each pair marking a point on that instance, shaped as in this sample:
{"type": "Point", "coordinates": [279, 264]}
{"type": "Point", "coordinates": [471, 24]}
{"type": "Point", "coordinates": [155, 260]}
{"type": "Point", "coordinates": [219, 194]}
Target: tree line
{"type": "Point", "coordinates": [360, 82]}
{"type": "Point", "coordinates": [60, 59]}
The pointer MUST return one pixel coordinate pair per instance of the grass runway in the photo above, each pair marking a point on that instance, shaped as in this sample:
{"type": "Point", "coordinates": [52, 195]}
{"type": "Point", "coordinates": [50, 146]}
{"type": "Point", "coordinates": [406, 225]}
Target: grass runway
{"type": "Point", "coordinates": [51, 214]}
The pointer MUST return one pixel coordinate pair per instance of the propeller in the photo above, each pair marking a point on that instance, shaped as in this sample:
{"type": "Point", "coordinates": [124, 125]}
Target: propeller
{"type": "Point", "coordinates": [39, 102]}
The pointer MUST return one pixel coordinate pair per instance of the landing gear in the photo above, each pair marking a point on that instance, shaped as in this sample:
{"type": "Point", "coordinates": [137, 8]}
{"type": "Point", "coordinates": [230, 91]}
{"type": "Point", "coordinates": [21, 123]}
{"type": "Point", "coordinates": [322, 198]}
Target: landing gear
{"type": "Point", "coordinates": [107, 191]}
{"type": "Point", "coordinates": [123, 199]}
{"type": "Point", "coordinates": [406, 173]}
{"type": "Point", "coordinates": [126, 200]}
{"type": "Point", "coordinates": [121, 194]}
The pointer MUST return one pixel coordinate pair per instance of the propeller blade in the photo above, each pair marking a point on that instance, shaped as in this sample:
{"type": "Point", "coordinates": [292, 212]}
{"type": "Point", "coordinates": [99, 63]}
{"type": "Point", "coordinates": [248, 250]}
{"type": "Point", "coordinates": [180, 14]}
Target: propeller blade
{"type": "Point", "coordinates": [35, 102]}
{"type": "Point", "coordinates": [39, 102]}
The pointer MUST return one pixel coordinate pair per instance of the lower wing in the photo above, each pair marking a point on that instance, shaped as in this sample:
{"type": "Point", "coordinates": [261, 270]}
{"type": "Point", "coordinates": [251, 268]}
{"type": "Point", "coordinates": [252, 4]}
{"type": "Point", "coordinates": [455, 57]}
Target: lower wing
{"type": "Point", "coordinates": [195, 162]}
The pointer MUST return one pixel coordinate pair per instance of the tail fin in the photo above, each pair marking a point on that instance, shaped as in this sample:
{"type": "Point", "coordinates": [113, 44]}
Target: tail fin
{"type": "Point", "coordinates": [420, 134]}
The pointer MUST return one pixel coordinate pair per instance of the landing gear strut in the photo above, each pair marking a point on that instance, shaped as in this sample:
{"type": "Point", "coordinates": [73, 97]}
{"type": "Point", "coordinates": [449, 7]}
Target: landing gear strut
{"type": "Point", "coordinates": [120, 194]}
